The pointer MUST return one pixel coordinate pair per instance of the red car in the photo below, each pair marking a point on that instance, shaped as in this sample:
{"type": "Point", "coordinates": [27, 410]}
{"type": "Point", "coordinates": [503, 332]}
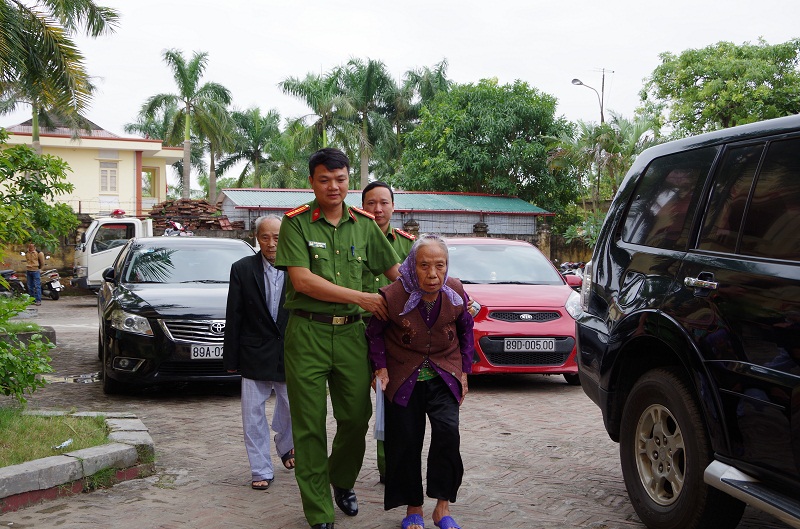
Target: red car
{"type": "Point", "coordinates": [524, 309]}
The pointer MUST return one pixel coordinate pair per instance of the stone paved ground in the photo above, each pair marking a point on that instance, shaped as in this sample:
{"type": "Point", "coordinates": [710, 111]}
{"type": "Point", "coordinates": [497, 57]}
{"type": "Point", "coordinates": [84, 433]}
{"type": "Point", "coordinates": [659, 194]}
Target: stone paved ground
{"type": "Point", "coordinates": [535, 451]}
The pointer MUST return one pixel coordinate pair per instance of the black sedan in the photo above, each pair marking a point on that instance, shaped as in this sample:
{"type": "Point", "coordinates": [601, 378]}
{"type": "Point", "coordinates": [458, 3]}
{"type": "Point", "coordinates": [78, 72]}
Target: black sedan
{"type": "Point", "coordinates": [162, 311]}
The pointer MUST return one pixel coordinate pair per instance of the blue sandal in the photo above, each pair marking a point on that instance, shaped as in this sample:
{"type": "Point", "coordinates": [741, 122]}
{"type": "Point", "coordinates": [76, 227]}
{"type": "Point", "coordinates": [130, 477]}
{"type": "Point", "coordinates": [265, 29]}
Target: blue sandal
{"type": "Point", "coordinates": [447, 522]}
{"type": "Point", "coordinates": [413, 519]}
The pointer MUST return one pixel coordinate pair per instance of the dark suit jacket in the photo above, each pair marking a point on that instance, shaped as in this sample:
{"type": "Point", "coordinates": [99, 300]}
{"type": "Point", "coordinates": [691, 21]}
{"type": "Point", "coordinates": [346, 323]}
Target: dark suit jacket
{"type": "Point", "coordinates": [253, 340]}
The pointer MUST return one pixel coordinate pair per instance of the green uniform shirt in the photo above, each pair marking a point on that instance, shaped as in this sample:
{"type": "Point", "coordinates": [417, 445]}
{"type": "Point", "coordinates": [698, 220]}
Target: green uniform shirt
{"type": "Point", "coordinates": [401, 243]}
{"type": "Point", "coordinates": [339, 254]}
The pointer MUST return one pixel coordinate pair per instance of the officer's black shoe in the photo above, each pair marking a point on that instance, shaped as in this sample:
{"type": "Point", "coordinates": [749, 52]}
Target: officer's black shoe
{"type": "Point", "coordinates": [322, 526]}
{"type": "Point", "coordinates": [346, 500]}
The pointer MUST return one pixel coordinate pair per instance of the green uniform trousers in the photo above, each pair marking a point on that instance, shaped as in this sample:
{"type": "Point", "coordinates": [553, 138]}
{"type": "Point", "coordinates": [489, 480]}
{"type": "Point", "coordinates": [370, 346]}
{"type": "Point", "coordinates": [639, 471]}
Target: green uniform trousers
{"type": "Point", "coordinates": [319, 356]}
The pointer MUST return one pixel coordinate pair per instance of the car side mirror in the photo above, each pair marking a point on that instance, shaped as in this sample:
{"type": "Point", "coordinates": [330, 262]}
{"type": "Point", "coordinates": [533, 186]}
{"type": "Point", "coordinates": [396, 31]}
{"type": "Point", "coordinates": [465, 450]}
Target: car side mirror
{"type": "Point", "coordinates": [573, 280]}
{"type": "Point", "coordinates": [108, 275]}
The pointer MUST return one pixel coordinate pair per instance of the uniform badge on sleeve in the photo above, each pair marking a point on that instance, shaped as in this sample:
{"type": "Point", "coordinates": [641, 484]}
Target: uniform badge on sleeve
{"type": "Point", "coordinates": [315, 244]}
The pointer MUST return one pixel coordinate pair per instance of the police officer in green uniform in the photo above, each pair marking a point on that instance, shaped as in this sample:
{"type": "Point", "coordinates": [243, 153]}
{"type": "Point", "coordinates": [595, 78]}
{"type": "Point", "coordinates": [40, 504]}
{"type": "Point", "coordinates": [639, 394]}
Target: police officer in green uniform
{"type": "Point", "coordinates": [325, 247]}
{"type": "Point", "coordinates": [378, 198]}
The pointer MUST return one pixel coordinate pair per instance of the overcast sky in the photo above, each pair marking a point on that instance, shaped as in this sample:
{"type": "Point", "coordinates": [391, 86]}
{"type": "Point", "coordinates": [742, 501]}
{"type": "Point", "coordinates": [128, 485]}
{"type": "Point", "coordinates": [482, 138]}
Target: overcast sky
{"type": "Point", "coordinates": [255, 44]}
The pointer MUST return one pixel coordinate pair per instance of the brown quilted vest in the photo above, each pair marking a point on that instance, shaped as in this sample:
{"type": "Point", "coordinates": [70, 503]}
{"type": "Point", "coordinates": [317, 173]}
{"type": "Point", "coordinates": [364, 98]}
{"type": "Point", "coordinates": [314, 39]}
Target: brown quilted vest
{"type": "Point", "coordinates": [409, 341]}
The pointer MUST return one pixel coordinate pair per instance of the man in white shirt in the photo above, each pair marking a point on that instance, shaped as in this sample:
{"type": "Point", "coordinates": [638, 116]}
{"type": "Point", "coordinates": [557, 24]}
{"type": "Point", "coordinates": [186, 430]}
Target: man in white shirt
{"type": "Point", "coordinates": [254, 337]}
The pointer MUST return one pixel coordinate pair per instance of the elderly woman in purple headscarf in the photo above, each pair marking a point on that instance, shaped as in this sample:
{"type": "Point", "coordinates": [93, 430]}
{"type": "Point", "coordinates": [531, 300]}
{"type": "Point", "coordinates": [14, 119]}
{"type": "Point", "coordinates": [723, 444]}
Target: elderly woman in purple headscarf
{"type": "Point", "coordinates": [421, 356]}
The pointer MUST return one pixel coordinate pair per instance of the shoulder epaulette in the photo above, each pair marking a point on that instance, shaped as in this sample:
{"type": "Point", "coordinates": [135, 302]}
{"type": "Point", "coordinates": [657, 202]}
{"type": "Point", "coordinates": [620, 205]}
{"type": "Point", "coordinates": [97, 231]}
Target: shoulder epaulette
{"type": "Point", "coordinates": [365, 213]}
{"type": "Point", "coordinates": [405, 234]}
{"type": "Point", "coordinates": [298, 210]}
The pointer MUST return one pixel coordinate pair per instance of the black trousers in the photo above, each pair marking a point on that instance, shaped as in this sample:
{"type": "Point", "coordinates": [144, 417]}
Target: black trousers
{"type": "Point", "coordinates": [404, 436]}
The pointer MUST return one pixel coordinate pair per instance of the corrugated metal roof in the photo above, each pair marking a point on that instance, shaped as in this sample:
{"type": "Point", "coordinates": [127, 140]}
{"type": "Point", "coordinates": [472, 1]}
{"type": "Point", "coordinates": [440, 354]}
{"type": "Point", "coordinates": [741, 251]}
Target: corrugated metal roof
{"type": "Point", "coordinates": [403, 201]}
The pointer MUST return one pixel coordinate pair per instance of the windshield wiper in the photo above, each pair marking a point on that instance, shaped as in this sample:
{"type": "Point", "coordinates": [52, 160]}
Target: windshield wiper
{"type": "Point", "coordinates": [204, 281]}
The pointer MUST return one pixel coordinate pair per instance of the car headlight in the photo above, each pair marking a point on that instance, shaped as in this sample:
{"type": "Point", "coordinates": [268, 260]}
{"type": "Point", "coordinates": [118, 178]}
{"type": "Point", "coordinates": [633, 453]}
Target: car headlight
{"type": "Point", "coordinates": [125, 321]}
{"type": "Point", "coordinates": [573, 304]}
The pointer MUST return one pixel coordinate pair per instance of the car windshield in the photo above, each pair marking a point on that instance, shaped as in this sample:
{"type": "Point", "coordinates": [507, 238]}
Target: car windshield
{"type": "Point", "coordinates": [196, 264]}
{"type": "Point", "coordinates": [501, 264]}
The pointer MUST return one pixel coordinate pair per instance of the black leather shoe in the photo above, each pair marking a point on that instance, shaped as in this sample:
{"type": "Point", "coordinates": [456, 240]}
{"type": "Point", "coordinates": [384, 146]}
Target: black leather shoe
{"type": "Point", "coordinates": [346, 500]}
{"type": "Point", "coordinates": [322, 526]}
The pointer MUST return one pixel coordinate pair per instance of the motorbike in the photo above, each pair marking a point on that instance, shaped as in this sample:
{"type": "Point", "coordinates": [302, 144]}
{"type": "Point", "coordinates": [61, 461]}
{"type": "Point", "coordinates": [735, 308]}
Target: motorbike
{"type": "Point", "coordinates": [176, 229]}
{"type": "Point", "coordinates": [51, 284]}
{"type": "Point", "coordinates": [12, 284]}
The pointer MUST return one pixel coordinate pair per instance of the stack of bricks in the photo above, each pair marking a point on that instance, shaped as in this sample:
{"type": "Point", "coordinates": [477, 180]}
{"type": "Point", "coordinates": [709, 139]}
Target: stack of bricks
{"type": "Point", "coordinates": [192, 214]}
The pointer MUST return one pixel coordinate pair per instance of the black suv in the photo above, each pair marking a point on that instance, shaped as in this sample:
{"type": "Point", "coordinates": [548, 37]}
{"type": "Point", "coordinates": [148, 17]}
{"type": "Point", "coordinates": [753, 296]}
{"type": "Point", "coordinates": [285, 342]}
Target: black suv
{"type": "Point", "coordinates": [689, 339]}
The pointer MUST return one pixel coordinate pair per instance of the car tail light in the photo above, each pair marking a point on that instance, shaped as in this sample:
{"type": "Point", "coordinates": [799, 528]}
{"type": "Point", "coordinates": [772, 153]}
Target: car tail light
{"type": "Point", "coordinates": [586, 286]}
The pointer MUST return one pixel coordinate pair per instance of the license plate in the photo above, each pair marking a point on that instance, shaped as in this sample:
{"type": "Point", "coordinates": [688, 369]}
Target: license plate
{"type": "Point", "coordinates": [205, 352]}
{"type": "Point", "coordinates": [529, 344]}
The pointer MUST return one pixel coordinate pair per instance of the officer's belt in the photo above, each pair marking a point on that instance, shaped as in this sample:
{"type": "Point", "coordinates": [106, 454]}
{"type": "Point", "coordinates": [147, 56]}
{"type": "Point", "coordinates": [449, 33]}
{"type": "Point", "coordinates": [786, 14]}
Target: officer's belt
{"type": "Point", "coordinates": [327, 318]}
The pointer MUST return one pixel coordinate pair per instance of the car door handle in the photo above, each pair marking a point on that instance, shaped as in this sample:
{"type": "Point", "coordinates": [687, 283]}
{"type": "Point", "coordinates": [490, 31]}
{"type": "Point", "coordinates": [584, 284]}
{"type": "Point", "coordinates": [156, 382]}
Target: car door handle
{"type": "Point", "coordinates": [696, 282]}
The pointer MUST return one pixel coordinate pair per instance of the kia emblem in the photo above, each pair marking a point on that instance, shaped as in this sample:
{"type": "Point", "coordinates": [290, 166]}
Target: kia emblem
{"type": "Point", "coordinates": [217, 327]}
{"type": "Point", "coordinates": [525, 317]}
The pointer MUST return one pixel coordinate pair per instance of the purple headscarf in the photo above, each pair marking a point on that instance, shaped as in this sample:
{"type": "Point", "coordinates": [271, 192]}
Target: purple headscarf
{"type": "Point", "coordinates": [410, 281]}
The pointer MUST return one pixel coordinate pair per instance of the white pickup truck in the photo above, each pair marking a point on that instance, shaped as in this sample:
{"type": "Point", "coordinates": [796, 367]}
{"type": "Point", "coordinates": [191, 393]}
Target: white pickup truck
{"type": "Point", "coordinates": [101, 243]}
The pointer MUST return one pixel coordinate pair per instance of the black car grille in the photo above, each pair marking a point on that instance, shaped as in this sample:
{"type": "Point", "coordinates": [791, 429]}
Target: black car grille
{"type": "Point", "coordinates": [527, 359]}
{"type": "Point", "coordinates": [194, 331]}
{"type": "Point", "coordinates": [195, 368]}
{"type": "Point", "coordinates": [492, 348]}
{"type": "Point", "coordinates": [522, 316]}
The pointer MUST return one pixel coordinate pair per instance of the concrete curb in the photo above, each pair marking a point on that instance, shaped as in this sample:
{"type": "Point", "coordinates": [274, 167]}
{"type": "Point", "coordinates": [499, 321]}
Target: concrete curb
{"type": "Point", "coordinates": [48, 333]}
{"type": "Point", "coordinates": [130, 455]}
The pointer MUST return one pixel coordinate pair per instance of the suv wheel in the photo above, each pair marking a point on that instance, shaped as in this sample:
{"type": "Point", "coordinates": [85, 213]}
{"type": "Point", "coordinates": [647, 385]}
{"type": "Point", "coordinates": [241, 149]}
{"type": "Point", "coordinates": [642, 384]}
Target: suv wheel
{"type": "Point", "coordinates": [664, 450]}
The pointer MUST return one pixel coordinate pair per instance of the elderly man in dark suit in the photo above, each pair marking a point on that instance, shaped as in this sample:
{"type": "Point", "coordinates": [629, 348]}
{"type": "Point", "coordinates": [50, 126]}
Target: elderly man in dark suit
{"type": "Point", "coordinates": [255, 325]}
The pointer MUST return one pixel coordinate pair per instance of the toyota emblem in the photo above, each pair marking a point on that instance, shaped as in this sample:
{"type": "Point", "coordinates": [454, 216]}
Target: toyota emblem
{"type": "Point", "coordinates": [217, 327]}
{"type": "Point", "coordinates": [525, 317]}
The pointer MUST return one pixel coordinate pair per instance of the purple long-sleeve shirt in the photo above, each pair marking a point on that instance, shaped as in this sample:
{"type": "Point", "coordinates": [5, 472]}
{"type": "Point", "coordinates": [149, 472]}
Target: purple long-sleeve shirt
{"type": "Point", "coordinates": [466, 341]}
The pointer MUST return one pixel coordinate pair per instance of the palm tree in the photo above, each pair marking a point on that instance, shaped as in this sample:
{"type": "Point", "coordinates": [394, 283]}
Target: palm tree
{"type": "Point", "coordinates": [580, 152]}
{"type": "Point", "coordinates": [629, 139]}
{"type": "Point", "coordinates": [196, 102]}
{"type": "Point", "coordinates": [288, 158]}
{"type": "Point", "coordinates": [427, 82]}
{"type": "Point", "coordinates": [162, 125]}
{"type": "Point", "coordinates": [328, 105]}
{"type": "Point", "coordinates": [254, 136]}
{"type": "Point", "coordinates": [365, 85]}
{"type": "Point", "coordinates": [40, 64]}
{"type": "Point", "coordinates": [217, 138]}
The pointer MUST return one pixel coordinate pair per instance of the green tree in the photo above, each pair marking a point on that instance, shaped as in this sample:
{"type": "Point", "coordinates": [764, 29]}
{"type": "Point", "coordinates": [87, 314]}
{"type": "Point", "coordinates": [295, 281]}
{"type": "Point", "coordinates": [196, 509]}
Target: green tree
{"type": "Point", "coordinates": [623, 143]}
{"type": "Point", "coordinates": [487, 138]}
{"type": "Point", "coordinates": [253, 140]}
{"type": "Point", "coordinates": [40, 65]}
{"type": "Point", "coordinates": [216, 137]}
{"type": "Point", "coordinates": [289, 160]}
{"type": "Point", "coordinates": [428, 82]}
{"type": "Point", "coordinates": [196, 102]}
{"type": "Point", "coordinates": [365, 85]}
{"type": "Point", "coordinates": [724, 85]}
{"type": "Point", "coordinates": [330, 123]}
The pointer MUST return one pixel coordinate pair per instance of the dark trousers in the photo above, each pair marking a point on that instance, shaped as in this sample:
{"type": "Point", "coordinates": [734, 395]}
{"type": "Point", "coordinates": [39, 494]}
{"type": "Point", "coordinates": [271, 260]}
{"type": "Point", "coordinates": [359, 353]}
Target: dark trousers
{"type": "Point", "coordinates": [405, 433]}
{"type": "Point", "coordinates": [34, 284]}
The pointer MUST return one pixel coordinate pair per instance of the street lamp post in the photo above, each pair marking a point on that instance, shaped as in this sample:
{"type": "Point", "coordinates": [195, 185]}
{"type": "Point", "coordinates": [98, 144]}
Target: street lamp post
{"type": "Point", "coordinates": [600, 98]}
{"type": "Point", "coordinates": [600, 94]}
